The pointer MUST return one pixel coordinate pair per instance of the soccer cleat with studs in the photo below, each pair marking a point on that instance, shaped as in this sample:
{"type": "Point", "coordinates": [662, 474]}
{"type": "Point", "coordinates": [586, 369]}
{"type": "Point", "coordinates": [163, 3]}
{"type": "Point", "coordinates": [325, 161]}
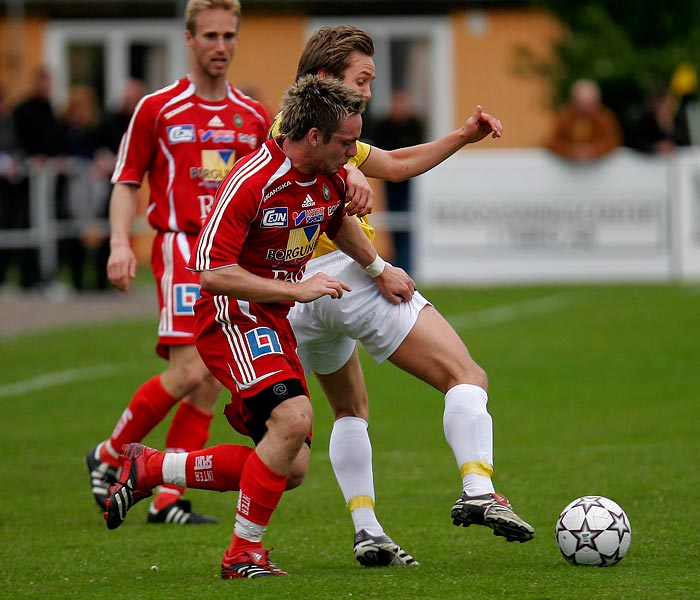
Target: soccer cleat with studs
{"type": "Point", "coordinates": [250, 564]}
{"type": "Point", "coordinates": [494, 511]}
{"type": "Point", "coordinates": [125, 493]}
{"type": "Point", "coordinates": [179, 513]}
{"type": "Point", "coordinates": [380, 551]}
{"type": "Point", "coordinates": [102, 476]}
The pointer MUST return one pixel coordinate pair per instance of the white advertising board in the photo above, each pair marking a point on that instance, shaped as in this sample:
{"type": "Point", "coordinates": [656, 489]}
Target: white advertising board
{"type": "Point", "coordinates": [685, 187]}
{"type": "Point", "coordinates": [525, 216]}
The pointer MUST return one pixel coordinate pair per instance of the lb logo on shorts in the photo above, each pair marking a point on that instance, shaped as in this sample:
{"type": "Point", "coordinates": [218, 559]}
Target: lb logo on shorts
{"type": "Point", "coordinates": [185, 295]}
{"type": "Point", "coordinates": [262, 341]}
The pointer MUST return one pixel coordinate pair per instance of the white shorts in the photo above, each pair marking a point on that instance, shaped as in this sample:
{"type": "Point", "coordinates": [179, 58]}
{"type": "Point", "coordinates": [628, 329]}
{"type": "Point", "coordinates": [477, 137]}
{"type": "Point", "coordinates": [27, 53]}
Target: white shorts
{"type": "Point", "coordinates": [327, 329]}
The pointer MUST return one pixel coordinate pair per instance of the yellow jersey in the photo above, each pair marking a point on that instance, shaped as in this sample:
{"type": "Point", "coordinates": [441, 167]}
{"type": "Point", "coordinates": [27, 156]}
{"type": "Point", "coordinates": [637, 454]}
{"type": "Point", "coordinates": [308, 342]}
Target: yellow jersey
{"type": "Point", "coordinates": [325, 245]}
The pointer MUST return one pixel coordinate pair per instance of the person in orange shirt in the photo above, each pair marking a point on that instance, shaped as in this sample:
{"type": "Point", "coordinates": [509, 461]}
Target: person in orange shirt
{"type": "Point", "coordinates": [585, 130]}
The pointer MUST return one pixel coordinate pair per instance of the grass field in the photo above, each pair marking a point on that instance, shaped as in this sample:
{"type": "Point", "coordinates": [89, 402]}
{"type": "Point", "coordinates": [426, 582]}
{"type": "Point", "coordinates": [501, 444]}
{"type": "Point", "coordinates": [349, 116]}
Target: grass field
{"type": "Point", "coordinates": [593, 390]}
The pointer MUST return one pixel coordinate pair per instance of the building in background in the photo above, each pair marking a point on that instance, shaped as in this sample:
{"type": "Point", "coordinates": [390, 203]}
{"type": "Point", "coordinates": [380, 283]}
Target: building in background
{"type": "Point", "coordinates": [458, 53]}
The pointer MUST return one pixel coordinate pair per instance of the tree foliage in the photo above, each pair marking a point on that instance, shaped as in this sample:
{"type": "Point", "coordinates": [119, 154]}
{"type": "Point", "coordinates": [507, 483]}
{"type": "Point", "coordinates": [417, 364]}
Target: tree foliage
{"type": "Point", "coordinates": [629, 48]}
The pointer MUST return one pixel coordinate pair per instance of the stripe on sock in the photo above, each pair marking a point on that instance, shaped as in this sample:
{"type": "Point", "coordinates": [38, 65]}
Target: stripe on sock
{"type": "Point", "coordinates": [360, 502]}
{"type": "Point", "coordinates": [174, 468]}
{"type": "Point", "coordinates": [476, 467]}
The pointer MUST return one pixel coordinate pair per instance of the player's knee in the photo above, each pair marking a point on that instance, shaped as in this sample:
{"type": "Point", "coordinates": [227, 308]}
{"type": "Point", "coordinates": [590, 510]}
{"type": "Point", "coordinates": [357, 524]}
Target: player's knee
{"type": "Point", "coordinates": [478, 376]}
{"type": "Point", "coordinates": [290, 422]}
{"type": "Point", "coordinates": [296, 477]}
{"type": "Point", "coordinates": [298, 426]}
{"type": "Point", "coordinates": [211, 382]}
{"type": "Point", "coordinates": [298, 469]}
{"type": "Point", "coordinates": [192, 376]}
{"type": "Point", "coordinates": [469, 372]}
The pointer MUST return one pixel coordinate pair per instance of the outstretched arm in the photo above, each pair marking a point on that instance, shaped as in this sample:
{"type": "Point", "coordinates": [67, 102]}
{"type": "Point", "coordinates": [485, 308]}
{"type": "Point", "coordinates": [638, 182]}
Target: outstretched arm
{"type": "Point", "coordinates": [404, 163]}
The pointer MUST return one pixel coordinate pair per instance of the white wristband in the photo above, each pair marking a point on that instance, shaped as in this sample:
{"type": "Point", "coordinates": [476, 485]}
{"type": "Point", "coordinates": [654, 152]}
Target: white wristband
{"type": "Point", "coordinates": [376, 267]}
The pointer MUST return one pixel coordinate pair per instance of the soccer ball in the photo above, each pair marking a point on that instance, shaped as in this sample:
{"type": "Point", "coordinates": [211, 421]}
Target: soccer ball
{"type": "Point", "coordinates": [593, 530]}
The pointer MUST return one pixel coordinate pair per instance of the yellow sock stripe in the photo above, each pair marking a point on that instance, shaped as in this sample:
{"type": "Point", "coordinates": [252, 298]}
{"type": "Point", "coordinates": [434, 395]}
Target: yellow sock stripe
{"type": "Point", "coordinates": [361, 502]}
{"type": "Point", "coordinates": [476, 467]}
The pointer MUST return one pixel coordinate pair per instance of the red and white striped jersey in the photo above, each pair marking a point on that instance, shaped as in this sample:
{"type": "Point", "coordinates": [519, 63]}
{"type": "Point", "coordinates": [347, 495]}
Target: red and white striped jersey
{"type": "Point", "coordinates": [187, 145]}
{"type": "Point", "coordinates": [268, 217]}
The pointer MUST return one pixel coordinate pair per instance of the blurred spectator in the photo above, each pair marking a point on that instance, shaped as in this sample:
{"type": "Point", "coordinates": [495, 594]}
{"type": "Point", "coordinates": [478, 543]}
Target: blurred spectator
{"type": "Point", "coordinates": [110, 131]}
{"type": "Point", "coordinates": [10, 176]}
{"type": "Point", "coordinates": [652, 129]}
{"type": "Point", "coordinates": [83, 201]}
{"type": "Point", "coordinates": [37, 137]}
{"type": "Point", "coordinates": [7, 133]}
{"type": "Point", "coordinates": [684, 87]}
{"type": "Point", "coordinates": [36, 126]}
{"type": "Point", "coordinates": [585, 130]}
{"type": "Point", "coordinates": [399, 129]}
{"type": "Point", "coordinates": [115, 123]}
{"type": "Point", "coordinates": [78, 122]}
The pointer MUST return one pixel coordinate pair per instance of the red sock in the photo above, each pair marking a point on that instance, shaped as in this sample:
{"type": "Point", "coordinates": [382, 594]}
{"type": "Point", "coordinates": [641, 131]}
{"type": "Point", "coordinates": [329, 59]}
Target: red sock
{"type": "Point", "coordinates": [154, 470]}
{"type": "Point", "coordinates": [147, 408]}
{"type": "Point", "coordinates": [217, 468]}
{"type": "Point", "coordinates": [189, 430]}
{"type": "Point", "coordinates": [238, 545]}
{"type": "Point", "coordinates": [261, 490]}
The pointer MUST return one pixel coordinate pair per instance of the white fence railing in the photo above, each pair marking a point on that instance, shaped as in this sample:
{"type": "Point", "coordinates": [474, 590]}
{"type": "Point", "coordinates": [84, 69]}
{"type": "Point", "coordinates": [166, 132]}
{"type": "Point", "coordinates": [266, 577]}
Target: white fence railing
{"type": "Point", "coordinates": [56, 212]}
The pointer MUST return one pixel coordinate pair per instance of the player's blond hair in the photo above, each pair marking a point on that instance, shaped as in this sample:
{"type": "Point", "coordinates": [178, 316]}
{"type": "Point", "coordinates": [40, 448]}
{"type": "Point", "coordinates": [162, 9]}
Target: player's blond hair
{"type": "Point", "coordinates": [321, 103]}
{"type": "Point", "coordinates": [194, 7]}
{"type": "Point", "coordinates": [330, 48]}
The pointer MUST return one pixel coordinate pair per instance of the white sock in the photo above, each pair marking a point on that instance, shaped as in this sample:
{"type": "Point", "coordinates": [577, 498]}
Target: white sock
{"type": "Point", "coordinates": [350, 451]}
{"type": "Point", "coordinates": [469, 432]}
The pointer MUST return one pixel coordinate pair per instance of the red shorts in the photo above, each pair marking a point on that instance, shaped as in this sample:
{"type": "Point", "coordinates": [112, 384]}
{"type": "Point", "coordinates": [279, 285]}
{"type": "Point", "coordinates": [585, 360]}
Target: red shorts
{"type": "Point", "coordinates": [178, 289]}
{"type": "Point", "coordinates": [251, 349]}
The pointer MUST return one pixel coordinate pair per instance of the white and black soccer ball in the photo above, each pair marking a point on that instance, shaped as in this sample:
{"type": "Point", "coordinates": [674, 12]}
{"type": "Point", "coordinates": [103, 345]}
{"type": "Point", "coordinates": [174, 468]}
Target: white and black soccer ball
{"type": "Point", "coordinates": [594, 531]}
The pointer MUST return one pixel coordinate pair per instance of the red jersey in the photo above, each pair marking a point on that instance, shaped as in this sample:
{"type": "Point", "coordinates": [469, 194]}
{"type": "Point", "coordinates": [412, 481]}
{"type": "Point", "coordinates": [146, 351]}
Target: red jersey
{"type": "Point", "coordinates": [268, 217]}
{"type": "Point", "coordinates": [187, 145]}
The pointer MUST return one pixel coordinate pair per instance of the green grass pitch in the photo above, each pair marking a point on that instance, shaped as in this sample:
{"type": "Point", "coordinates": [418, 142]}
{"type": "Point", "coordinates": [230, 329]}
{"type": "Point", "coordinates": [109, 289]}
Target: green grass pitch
{"type": "Point", "coordinates": [593, 390]}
